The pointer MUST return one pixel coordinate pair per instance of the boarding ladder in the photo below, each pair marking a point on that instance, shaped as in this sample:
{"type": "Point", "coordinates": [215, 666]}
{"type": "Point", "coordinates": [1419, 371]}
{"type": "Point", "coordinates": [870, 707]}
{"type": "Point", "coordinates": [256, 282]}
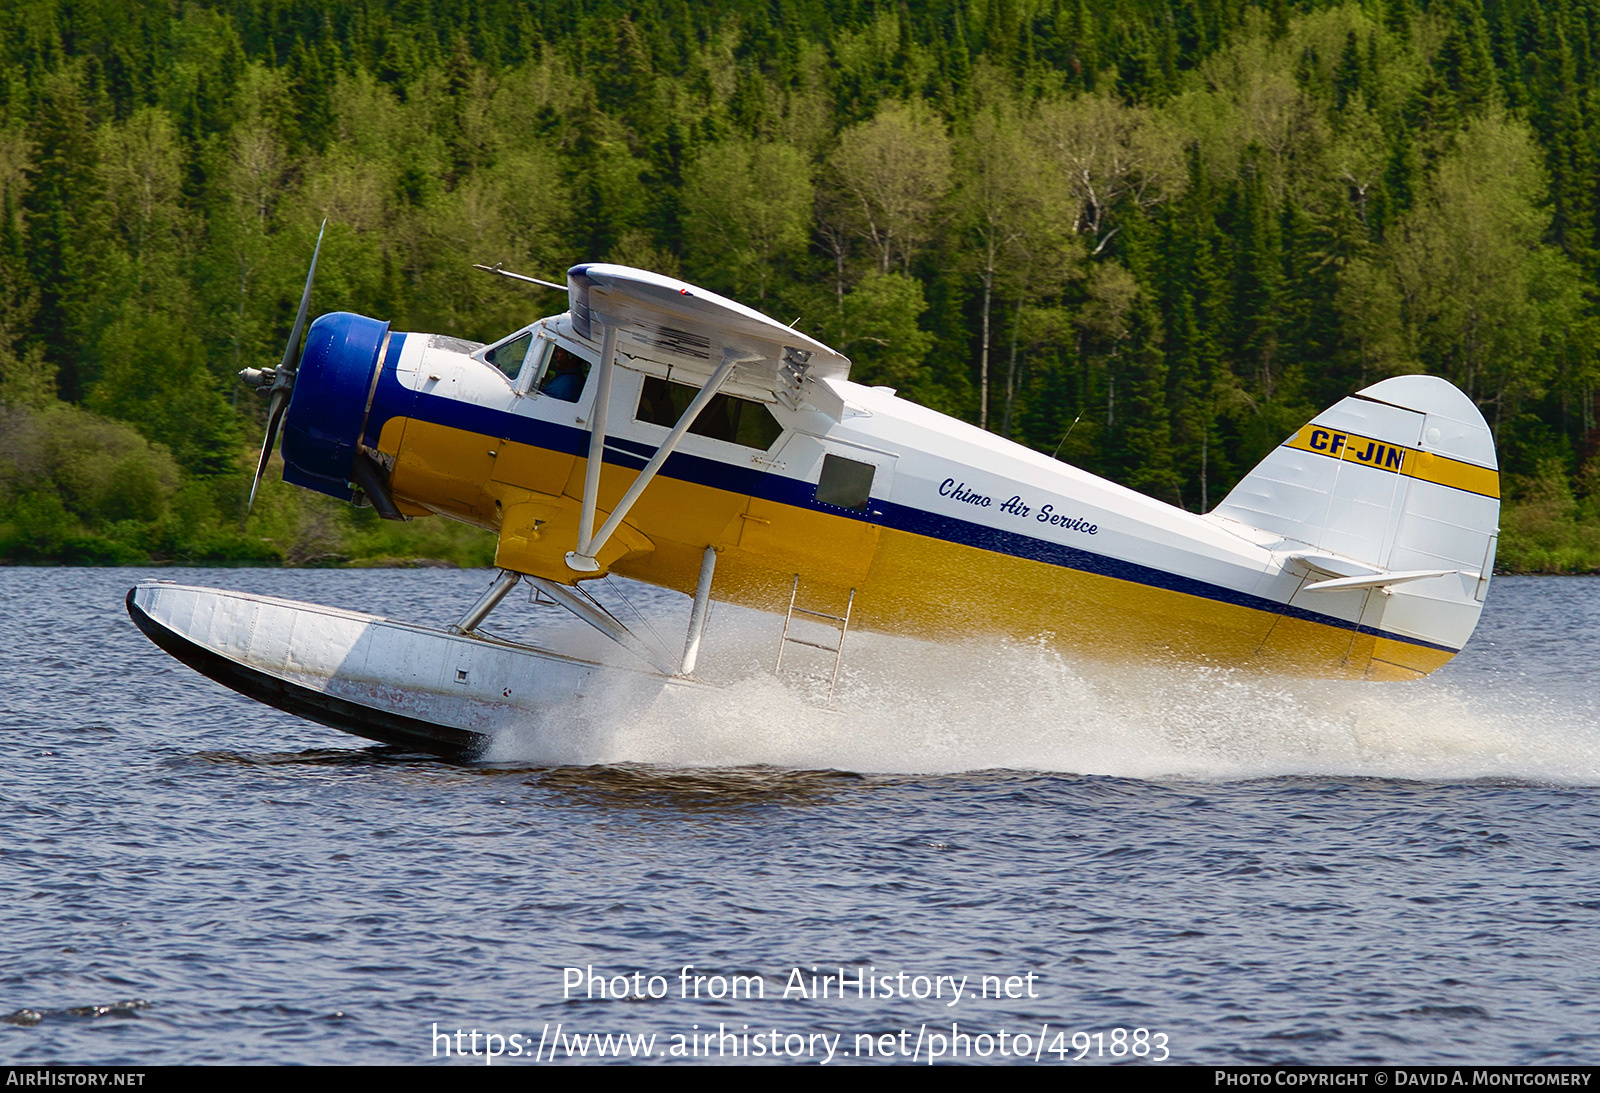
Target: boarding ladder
{"type": "Point", "coordinates": [840, 622]}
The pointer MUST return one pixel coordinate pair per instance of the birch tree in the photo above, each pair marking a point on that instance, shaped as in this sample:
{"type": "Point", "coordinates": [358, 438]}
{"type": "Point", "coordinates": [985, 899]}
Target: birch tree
{"type": "Point", "coordinates": [890, 175]}
{"type": "Point", "coordinates": [1109, 154]}
{"type": "Point", "coordinates": [998, 202]}
{"type": "Point", "coordinates": [1488, 300]}
{"type": "Point", "coordinates": [747, 205]}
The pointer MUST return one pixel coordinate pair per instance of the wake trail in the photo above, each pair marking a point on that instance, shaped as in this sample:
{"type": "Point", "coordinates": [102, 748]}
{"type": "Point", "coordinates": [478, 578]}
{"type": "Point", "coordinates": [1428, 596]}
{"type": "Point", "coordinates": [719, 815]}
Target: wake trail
{"type": "Point", "coordinates": [911, 707]}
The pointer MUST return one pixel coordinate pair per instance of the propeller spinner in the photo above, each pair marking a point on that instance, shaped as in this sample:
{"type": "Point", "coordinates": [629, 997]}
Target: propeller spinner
{"type": "Point", "coordinates": [278, 383]}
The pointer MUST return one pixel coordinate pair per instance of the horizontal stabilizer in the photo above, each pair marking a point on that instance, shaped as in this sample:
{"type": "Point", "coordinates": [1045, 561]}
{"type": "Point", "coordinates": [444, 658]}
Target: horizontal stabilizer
{"type": "Point", "coordinates": [1331, 565]}
{"type": "Point", "coordinates": [1379, 580]}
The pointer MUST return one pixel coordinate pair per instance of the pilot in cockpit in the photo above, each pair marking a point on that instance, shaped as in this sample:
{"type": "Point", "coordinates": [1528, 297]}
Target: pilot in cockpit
{"type": "Point", "coordinates": [564, 378]}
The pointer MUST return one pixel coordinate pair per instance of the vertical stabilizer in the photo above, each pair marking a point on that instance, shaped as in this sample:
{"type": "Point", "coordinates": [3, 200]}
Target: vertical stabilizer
{"type": "Point", "coordinates": [1401, 479]}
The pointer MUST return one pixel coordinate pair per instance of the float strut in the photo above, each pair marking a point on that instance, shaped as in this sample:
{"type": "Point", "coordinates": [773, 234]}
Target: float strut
{"type": "Point", "coordinates": [697, 614]}
{"type": "Point", "coordinates": [602, 620]}
{"type": "Point", "coordinates": [502, 586]}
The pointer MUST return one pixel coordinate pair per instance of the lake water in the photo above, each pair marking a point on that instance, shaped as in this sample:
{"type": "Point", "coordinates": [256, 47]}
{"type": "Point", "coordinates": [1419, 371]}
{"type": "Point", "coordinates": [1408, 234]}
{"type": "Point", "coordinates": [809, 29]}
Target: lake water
{"type": "Point", "coordinates": [984, 839]}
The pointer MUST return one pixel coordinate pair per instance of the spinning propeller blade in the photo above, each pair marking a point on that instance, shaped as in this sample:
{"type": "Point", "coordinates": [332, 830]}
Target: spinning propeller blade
{"type": "Point", "coordinates": [278, 402]}
{"type": "Point", "coordinates": [282, 388]}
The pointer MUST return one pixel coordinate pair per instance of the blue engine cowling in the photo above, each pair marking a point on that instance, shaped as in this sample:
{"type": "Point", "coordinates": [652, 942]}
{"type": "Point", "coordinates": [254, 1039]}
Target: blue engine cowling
{"type": "Point", "coordinates": [322, 429]}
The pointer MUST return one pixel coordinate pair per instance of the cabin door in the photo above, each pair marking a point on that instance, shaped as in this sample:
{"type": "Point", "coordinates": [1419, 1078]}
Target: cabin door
{"type": "Point", "coordinates": [832, 541]}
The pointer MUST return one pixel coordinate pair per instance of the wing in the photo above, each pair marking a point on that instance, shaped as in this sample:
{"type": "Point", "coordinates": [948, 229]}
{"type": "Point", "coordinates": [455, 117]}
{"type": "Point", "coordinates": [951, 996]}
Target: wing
{"type": "Point", "coordinates": [691, 332]}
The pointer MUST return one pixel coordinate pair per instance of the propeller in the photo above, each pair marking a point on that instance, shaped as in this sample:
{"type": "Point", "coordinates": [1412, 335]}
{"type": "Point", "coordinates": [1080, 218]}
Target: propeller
{"type": "Point", "coordinates": [277, 384]}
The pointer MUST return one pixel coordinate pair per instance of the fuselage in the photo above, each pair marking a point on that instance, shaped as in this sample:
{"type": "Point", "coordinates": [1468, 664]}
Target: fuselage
{"type": "Point", "coordinates": [939, 529]}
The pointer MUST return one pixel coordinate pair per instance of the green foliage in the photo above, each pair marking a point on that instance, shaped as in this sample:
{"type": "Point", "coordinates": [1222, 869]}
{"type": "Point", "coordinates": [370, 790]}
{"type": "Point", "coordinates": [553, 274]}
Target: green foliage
{"type": "Point", "coordinates": [879, 328]}
{"type": "Point", "coordinates": [153, 374]}
{"type": "Point", "coordinates": [1545, 528]}
{"type": "Point", "coordinates": [78, 487]}
{"type": "Point", "coordinates": [747, 214]}
{"type": "Point", "coordinates": [294, 527]}
{"type": "Point", "coordinates": [1156, 236]}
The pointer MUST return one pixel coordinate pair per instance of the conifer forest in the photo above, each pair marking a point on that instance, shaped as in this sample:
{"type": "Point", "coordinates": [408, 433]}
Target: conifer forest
{"type": "Point", "coordinates": [1153, 237]}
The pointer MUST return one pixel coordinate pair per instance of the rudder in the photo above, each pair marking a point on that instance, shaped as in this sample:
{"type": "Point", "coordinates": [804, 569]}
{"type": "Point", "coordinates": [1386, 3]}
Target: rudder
{"type": "Point", "coordinates": [1401, 479]}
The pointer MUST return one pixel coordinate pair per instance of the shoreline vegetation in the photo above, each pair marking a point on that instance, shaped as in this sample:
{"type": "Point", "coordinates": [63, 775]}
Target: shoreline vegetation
{"type": "Point", "coordinates": [1154, 236]}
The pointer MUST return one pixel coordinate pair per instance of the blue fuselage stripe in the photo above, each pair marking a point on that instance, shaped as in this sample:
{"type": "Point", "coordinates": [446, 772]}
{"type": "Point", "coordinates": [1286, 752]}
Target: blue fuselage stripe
{"type": "Point", "coordinates": [394, 400]}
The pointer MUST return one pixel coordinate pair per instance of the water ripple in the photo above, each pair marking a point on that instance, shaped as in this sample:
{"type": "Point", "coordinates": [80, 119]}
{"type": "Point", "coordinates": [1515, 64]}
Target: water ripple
{"type": "Point", "coordinates": [1266, 871]}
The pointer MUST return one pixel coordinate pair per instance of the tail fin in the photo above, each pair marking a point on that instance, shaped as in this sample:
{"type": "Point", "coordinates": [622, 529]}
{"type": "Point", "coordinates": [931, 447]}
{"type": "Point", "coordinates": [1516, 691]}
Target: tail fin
{"type": "Point", "coordinates": [1394, 494]}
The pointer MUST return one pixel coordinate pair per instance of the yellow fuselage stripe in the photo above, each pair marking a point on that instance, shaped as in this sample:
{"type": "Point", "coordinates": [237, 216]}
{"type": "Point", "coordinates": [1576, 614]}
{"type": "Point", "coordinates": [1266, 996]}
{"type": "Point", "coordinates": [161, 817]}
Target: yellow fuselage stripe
{"type": "Point", "coordinates": [1396, 459]}
{"type": "Point", "coordinates": [905, 582]}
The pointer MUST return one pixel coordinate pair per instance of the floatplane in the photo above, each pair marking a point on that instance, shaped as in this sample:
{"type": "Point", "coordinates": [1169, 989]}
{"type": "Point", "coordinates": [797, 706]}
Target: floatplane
{"type": "Point", "coordinates": [669, 435]}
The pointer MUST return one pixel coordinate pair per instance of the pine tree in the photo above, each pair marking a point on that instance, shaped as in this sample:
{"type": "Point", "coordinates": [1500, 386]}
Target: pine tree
{"type": "Point", "coordinates": [1347, 72]}
{"type": "Point", "coordinates": [1258, 278]}
{"type": "Point", "coordinates": [1570, 154]}
{"type": "Point", "coordinates": [61, 210]}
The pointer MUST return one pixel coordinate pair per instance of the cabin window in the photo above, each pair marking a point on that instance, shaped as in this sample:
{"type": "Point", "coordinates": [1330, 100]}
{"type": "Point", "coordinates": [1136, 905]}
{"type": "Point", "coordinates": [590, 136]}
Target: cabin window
{"type": "Point", "coordinates": [564, 375]}
{"type": "Point", "coordinates": [508, 356]}
{"type": "Point", "coordinates": [845, 483]}
{"type": "Point", "coordinates": [725, 417]}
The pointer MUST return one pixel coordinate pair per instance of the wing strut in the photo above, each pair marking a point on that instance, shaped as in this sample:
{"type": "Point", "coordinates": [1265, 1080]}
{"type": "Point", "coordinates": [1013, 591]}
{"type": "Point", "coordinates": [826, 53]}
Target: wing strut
{"type": "Point", "coordinates": [590, 542]}
{"type": "Point", "coordinates": [582, 559]}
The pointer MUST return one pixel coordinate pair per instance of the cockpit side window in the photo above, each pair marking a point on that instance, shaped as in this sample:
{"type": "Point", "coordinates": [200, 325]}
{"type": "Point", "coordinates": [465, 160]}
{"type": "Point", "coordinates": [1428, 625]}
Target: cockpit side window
{"type": "Point", "coordinates": [508, 356]}
{"type": "Point", "coordinates": [564, 375]}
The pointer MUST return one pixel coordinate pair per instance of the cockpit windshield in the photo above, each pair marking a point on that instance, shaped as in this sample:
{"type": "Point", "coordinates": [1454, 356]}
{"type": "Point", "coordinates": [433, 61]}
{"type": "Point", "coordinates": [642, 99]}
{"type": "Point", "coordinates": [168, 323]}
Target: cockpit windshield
{"type": "Point", "coordinates": [536, 363]}
{"type": "Point", "coordinates": [508, 356]}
